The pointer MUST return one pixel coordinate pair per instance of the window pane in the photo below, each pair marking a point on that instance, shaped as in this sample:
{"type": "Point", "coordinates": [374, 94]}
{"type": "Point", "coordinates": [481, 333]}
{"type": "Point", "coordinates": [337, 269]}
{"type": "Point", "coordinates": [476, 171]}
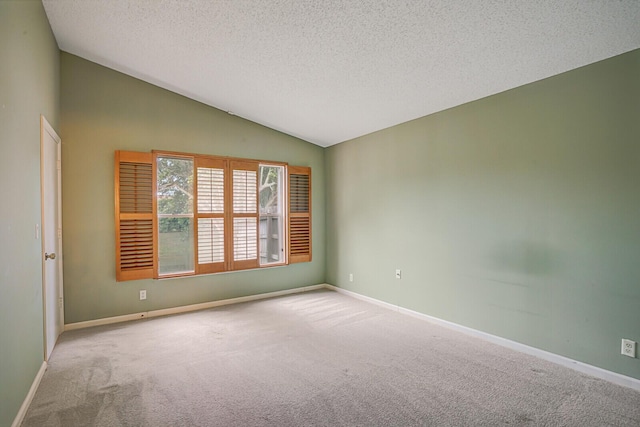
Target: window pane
{"type": "Point", "coordinates": [245, 239]}
{"type": "Point", "coordinates": [210, 190]}
{"type": "Point", "coordinates": [270, 189]}
{"type": "Point", "coordinates": [271, 250]}
{"type": "Point", "coordinates": [210, 240]}
{"type": "Point", "coordinates": [244, 191]}
{"type": "Point", "coordinates": [175, 215]}
{"type": "Point", "coordinates": [175, 241]}
{"type": "Point", "coordinates": [271, 214]}
{"type": "Point", "coordinates": [175, 186]}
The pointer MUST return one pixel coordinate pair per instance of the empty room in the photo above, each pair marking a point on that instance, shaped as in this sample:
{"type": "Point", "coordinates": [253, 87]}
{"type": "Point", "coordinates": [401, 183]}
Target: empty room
{"type": "Point", "coordinates": [289, 213]}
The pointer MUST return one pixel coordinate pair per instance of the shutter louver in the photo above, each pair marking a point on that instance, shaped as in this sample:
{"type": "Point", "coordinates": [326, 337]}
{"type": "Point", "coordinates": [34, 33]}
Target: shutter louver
{"type": "Point", "coordinates": [210, 190]}
{"type": "Point", "coordinates": [299, 235]}
{"type": "Point", "coordinates": [136, 181]}
{"type": "Point", "coordinates": [136, 244]}
{"type": "Point", "coordinates": [299, 193]}
{"type": "Point", "coordinates": [299, 214]}
{"type": "Point", "coordinates": [134, 216]}
{"type": "Point", "coordinates": [245, 190]}
{"type": "Point", "coordinates": [245, 239]}
{"type": "Point", "coordinates": [210, 240]}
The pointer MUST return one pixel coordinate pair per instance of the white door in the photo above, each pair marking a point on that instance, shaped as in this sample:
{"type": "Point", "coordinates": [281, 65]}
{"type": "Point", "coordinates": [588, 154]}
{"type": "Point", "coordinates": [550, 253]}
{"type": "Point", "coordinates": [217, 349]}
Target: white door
{"type": "Point", "coordinates": [51, 235]}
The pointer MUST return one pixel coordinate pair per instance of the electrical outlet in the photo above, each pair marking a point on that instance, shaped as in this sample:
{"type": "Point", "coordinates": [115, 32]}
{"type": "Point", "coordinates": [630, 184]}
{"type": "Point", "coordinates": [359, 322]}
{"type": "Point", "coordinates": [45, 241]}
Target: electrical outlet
{"type": "Point", "coordinates": [398, 274]}
{"type": "Point", "coordinates": [628, 348]}
{"type": "Point", "coordinates": [351, 277]}
{"type": "Point", "coordinates": [143, 294]}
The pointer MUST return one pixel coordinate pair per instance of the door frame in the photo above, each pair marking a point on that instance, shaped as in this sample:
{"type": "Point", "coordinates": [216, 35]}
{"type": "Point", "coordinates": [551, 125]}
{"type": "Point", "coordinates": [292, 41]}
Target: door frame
{"type": "Point", "coordinates": [46, 127]}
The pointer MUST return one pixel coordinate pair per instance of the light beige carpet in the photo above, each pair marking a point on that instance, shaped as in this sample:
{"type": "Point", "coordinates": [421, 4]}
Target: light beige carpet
{"type": "Point", "coordinates": [318, 358]}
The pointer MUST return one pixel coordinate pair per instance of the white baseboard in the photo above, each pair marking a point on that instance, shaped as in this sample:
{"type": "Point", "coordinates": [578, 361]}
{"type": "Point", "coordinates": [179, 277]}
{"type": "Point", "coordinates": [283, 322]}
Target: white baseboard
{"type": "Point", "coordinates": [187, 308]}
{"type": "Point", "coordinates": [27, 400]}
{"type": "Point", "coordinates": [584, 368]}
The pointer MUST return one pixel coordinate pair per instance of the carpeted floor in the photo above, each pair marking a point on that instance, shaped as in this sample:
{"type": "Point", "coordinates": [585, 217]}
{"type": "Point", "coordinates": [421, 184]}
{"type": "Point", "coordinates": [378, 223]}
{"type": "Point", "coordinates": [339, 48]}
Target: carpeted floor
{"type": "Point", "coordinates": [317, 358]}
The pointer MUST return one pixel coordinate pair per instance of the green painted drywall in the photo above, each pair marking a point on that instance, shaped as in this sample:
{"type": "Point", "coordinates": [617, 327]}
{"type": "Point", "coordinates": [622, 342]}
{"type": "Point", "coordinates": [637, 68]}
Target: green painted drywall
{"type": "Point", "coordinates": [518, 214]}
{"type": "Point", "coordinates": [29, 82]}
{"type": "Point", "coordinates": [102, 111]}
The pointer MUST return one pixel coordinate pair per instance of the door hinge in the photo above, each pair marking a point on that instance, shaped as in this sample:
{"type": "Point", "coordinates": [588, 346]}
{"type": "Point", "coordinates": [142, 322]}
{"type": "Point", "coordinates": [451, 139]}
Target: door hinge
{"type": "Point", "coordinates": [58, 164]}
{"type": "Point", "coordinates": [59, 233]}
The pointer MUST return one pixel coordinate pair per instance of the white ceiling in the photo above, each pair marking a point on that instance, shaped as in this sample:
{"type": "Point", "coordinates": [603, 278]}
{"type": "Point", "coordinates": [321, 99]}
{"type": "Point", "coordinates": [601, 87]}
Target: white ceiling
{"type": "Point", "coordinates": [328, 70]}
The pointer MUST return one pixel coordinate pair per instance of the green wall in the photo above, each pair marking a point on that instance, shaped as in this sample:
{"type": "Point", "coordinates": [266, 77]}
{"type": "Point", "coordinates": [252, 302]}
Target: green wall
{"type": "Point", "coordinates": [29, 80]}
{"type": "Point", "coordinates": [517, 215]}
{"type": "Point", "coordinates": [103, 111]}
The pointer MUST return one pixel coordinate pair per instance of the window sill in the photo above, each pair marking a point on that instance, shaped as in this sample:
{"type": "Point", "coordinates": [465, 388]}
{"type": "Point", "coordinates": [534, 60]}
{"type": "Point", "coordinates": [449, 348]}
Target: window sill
{"type": "Point", "coordinates": [174, 276]}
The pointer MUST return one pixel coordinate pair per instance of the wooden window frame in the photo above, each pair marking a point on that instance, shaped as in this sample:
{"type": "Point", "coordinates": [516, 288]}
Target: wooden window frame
{"type": "Point", "coordinates": [124, 273]}
{"type": "Point", "coordinates": [176, 155]}
{"type": "Point", "coordinates": [283, 215]}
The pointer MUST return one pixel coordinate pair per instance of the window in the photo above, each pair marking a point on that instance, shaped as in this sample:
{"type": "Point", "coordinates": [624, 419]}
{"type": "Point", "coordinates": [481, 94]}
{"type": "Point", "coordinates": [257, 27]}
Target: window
{"type": "Point", "coordinates": [180, 214]}
{"type": "Point", "coordinates": [174, 181]}
{"type": "Point", "coordinates": [271, 214]}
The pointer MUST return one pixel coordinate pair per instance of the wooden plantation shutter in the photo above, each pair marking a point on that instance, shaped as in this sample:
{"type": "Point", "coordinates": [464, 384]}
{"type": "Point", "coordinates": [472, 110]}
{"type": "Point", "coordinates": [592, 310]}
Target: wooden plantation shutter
{"type": "Point", "coordinates": [226, 213]}
{"type": "Point", "coordinates": [299, 214]}
{"type": "Point", "coordinates": [244, 214]}
{"type": "Point", "coordinates": [211, 182]}
{"type": "Point", "coordinates": [135, 220]}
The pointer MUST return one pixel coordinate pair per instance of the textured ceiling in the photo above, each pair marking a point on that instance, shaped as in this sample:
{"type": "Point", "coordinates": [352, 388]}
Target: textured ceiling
{"type": "Point", "coordinates": [326, 70]}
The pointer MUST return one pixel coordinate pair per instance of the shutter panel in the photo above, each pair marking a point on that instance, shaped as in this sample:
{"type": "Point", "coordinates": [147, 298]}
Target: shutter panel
{"type": "Point", "coordinates": [210, 189]}
{"type": "Point", "coordinates": [244, 198]}
{"type": "Point", "coordinates": [135, 221]}
{"type": "Point", "coordinates": [245, 189]}
{"type": "Point", "coordinates": [210, 240]}
{"type": "Point", "coordinates": [245, 239]}
{"type": "Point", "coordinates": [299, 214]}
{"type": "Point", "coordinates": [210, 214]}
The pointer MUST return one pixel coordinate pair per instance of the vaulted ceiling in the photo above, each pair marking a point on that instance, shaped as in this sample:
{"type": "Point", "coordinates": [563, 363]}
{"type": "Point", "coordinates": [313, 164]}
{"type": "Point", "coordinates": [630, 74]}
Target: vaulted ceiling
{"type": "Point", "coordinates": [327, 71]}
